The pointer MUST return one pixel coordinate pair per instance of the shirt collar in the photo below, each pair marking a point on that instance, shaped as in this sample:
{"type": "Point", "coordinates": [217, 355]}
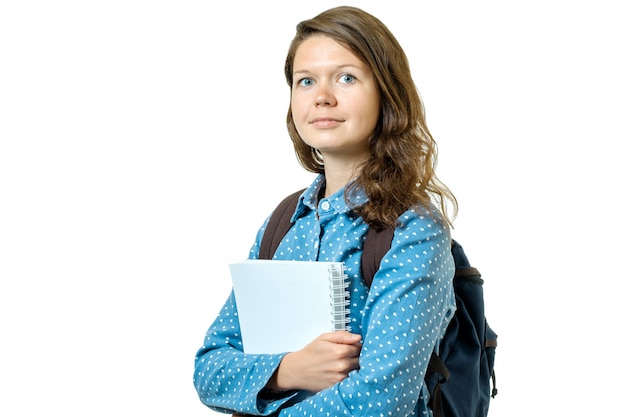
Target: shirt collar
{"type": "Point", "coordinates": [309, 199]}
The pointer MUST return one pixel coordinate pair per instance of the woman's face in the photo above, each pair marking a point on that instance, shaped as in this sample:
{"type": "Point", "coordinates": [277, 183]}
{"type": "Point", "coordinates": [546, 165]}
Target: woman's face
{"type": "Point", "coordinates": [334, 99]}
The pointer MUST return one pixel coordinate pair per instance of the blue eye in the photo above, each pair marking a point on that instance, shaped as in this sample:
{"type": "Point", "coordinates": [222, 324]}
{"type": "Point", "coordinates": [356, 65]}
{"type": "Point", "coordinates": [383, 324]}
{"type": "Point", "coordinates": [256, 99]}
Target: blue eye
{"type": "Point", "coordinates": [347, 78]}
{"type": "Point", "coordinates": [305, 82]}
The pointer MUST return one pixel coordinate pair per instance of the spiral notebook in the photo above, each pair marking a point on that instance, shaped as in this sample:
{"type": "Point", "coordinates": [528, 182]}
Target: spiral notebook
{"type": "Point", "coordinates": [284, 305]}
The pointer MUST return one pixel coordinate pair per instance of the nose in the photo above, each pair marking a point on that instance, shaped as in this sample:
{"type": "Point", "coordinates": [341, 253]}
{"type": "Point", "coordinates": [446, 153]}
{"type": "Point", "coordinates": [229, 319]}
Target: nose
{"type": "Point", "coordinates": [324, 96]}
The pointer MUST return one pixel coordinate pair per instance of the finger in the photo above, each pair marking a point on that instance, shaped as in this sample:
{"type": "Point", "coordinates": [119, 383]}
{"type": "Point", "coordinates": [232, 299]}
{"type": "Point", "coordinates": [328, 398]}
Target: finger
{"type": "Point", "coordinates": [342, 337]}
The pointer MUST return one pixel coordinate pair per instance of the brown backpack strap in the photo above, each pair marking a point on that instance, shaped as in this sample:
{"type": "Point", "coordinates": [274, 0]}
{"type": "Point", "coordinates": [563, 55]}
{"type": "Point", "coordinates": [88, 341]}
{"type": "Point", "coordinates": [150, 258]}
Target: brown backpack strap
{"type": "Point", "coordinates": [376, 245]}
{"type": "Point", "coordinates": [278, 225]}
{"type": "Point", "coordinates": [436, 401]}
{"type": "Point", "coordinates": [467, 272]}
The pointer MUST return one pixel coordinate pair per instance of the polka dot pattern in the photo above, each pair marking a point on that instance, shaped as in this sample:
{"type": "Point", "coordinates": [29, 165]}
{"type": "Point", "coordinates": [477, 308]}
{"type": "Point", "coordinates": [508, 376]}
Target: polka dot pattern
{"type": "Point", "coordinates": [401, 319]}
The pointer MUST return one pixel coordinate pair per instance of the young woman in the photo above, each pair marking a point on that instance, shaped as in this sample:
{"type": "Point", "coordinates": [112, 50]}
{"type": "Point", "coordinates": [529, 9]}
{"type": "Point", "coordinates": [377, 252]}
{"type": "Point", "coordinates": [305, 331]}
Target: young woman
{"type": "Point", "coordinates": [356, 119]}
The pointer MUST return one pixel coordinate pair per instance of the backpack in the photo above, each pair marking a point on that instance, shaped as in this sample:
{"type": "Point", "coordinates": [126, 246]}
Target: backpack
{"type": "Point", "coordinates": [460, 378]}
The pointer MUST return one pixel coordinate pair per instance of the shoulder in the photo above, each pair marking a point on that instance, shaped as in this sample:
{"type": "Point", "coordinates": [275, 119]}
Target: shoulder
{"type": "Point", "coordinates": [421, 224]}
{"type": "Point", "coordinates": [420, 255]}
{"type": "Point", "coordinates": [421, 245]}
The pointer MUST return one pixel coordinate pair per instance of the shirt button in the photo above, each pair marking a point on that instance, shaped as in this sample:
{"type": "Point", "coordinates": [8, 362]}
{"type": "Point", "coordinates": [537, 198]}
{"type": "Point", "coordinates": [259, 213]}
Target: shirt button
{"type": "Point", "coordinates": [325, 205]}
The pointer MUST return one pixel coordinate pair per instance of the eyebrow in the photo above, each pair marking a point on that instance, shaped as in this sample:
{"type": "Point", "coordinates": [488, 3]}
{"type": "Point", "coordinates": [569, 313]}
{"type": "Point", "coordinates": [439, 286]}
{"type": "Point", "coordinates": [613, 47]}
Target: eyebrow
{"type": "Point", "coordinates": [305, 71]}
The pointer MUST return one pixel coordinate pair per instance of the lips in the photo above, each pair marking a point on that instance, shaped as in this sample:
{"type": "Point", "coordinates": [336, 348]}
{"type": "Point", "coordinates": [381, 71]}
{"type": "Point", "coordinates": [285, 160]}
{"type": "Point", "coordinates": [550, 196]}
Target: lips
{"type": "Point", "coordinates": [325, 122]}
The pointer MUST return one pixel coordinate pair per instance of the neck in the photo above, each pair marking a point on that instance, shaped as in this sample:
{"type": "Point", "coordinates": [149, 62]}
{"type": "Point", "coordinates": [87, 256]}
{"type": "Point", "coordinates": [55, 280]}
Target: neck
{"type": "Point", "coordinates": [338, 175]}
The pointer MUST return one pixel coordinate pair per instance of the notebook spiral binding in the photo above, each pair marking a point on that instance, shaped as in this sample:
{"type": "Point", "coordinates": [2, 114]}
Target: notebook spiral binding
{"type": "Point", "coordinates": [339, 297]}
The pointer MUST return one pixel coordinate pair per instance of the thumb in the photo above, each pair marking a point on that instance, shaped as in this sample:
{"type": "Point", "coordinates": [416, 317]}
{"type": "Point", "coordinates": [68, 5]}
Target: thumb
{"type": "Point", "coordinates": [343, 337]}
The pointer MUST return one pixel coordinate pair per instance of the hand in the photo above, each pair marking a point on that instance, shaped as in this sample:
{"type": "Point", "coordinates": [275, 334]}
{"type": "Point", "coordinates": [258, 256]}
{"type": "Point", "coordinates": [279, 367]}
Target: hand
{"type": "Point", "coordinates": [324, 362]}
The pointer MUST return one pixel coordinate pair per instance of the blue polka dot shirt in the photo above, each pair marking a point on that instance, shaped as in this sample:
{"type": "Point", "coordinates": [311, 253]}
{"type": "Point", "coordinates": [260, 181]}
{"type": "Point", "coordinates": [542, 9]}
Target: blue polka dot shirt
{"type": "Point", "coordinates": [401, 319]}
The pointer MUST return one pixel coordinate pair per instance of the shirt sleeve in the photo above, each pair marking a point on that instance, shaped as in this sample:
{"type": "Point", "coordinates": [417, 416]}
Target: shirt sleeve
{"type": "Point", "coordinates": [409, 305]}
{"type": "Point", "coordinates": [228, 380]}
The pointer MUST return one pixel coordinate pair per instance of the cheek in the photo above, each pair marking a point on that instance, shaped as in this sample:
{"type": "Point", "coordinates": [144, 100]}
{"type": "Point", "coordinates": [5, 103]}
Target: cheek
{"type": "Point", "coordinates": [369, 116]}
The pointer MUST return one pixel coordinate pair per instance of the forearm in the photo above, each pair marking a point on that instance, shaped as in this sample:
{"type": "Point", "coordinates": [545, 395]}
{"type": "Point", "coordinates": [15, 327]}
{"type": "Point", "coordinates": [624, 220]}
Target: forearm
{"type": "Point", "coordinates": [228, 380]}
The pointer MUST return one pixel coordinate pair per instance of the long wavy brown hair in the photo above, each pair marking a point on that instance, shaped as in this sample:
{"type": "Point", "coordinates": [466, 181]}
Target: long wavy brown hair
{"type": "Point", "coordinates": [400, 171]}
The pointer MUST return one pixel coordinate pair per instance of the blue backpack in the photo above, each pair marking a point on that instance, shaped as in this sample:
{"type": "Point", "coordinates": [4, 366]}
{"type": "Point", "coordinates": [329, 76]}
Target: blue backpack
{"type": "Point", "coordinates": [460, 378]}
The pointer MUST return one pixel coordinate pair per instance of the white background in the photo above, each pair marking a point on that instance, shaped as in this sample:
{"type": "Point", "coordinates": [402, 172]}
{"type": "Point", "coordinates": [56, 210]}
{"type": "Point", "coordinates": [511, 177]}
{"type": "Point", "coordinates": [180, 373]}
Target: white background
{"type": "Point", "coordinates": [142, 143]}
